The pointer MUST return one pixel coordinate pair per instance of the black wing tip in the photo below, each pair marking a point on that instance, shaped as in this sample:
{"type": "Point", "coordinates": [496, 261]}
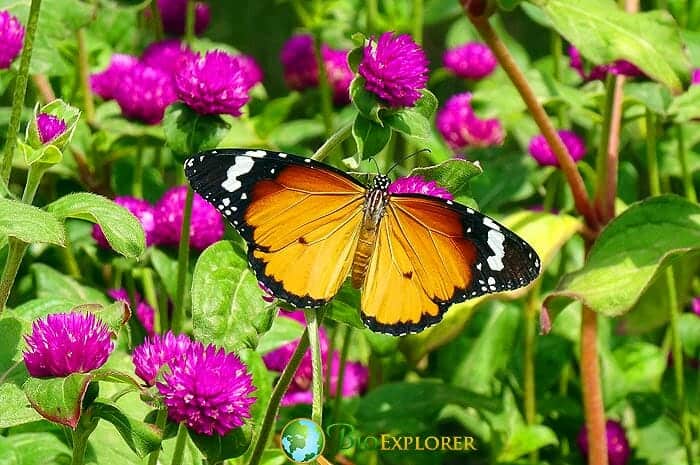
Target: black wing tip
{"type": "Point", "coordinates": [402, 329]}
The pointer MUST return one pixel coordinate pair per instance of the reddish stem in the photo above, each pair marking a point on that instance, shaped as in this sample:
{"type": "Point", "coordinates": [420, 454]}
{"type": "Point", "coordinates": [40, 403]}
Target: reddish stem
{"type": "Point", "coordinates": [592, 395]}
{"type": "Point", "coordinates": [607, 187]}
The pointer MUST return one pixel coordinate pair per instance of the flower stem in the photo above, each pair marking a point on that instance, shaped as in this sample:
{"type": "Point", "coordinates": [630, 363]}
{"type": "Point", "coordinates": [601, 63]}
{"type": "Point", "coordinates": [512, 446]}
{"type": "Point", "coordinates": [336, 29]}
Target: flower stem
{"type": "Point", "coordinates": [157, 21]}
{"type": "Point", "coordinates": [339, 382]}
{"type": "Point", "coordinates": [137, 184]}
{"type": "Point", "coordinates": [520, 82]}
{"type": "Point", "coordinates": [590, 385]}
{"type": "Point", "coordinates": [180, 442]}
{"type": "Point", "coordinates": [529, 360]}
{"type": "Point", "coordinates": [418, 21]}
{"type": "Point", "coordinates": [276, 397]}
{"type": "Point", "coordinates": [313, 323]}
{"type": "Point", "coordinates": [161, 418]}
{"type": "Point", "coordinates": [324, 88]}
{"type": "Point", "coordinates": [80, 442]}
{"type": "Point", "coordinates": [160, 321]}
{"type": "Point", "coordinates": [190, 22]}
{"type": "Point", "coordinates": [687, 176]}
{"type": "Point", "coordinates": [20, 92]}
{"type": "Point", "coordinates": [652, 162]}
{"type": "Point", "coordinates": [43, 87]}
{"type": "Point", "coordinates": [678, 364]}
{"type": "Point", "coordinates": [183, 260]}
{"type": "Point", "coordinates": [332, 142]}
{"type": "Point", "coordinates": [15, 253]}
{"type": "Point", "coordinates": [84, 73]}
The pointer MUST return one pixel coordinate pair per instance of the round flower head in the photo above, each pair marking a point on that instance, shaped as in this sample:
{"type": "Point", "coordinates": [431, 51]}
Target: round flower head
{"type": "Point", "coordinates": [600, 72]}
{"type": "Point", "coordinates": [206, 226]}
{"type": "Point", "coordinates": [106, 83]}
{"type": "Point", "coordinates": [418, 185]}
{"type": "Point", "coordinates": [618, 446]}
{"type": "Point", "coordinates": [250, 69]}
{"type": "Point", "coordinates": [11, 38]}
{"type": "Point", "coordinates": [299, 62]}
{"type": "Point", "coordinates": [339, 73]}
{"type": "Point", "coordinates": [461, 128]}
{"type": "Point", "coordinates": [695, 305]}
{"type": "Point", "coordinates": [174, 15]}
{"type": "Point", "coordinates": [50, 127]}
{"type": "Point", "coordinates": [157, 351]}
{"type": "Point", "coordinates": [214, 84]}
{"type": "Point", "coordinates": [395, 69]}
{"type": "Point", "coordinates": [470, 61]}
{"type": "Point", "coordinates": [166, 55]}
{"type": "Point", "coordinates": [65, 343]}
{"type": "Point", "coordinates": [695, 77]}
{"type": "Point", "coordinates": [542, 152]}
{"type": "Point", "coordinates": [141, 209]}
{"type": "Point", "coordinates": [144, 312]}
{"type": "Point", "coordinates": [144, 93]}
{"type": "Point", "coordinates": [208, 389]}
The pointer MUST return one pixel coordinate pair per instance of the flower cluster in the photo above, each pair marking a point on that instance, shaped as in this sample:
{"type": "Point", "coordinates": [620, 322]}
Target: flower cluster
{"type": "Point", "coordinates": [470, 61]}
{"type": "Point", "coordinates": [600, 72]}
{"type": "Point", "coordinates": [462, 128]}
{"type": "Point", "coordinates": [301, 69]}
{"type": "Point", "coordinates": [207, 388]}
{"type": "Point", "coordinates": [144, 312]}
{"type": "Point", "coordinates": [299, 392]}
{"type": "Point", "coordinates": [162, 222]}
{"type": "Point", "coordinates": [11, 38]}
{"type": "Point", "coordinates": [66, 343]}
{"type": "Point", "coordinates": [542, 152]}
{"type": "Point", "coordinates": [168, 71]}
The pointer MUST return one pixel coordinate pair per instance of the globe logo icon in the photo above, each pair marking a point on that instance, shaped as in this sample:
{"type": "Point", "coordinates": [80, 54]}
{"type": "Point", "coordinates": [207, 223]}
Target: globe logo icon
{"type": "Point", "coordinates": [302, 440]}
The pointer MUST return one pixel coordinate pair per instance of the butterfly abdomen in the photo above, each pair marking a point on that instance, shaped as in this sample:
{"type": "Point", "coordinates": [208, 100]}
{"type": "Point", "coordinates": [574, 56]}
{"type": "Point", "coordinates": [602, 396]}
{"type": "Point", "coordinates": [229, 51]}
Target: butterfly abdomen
{"type": "Point", "coordinates": [375, 204]}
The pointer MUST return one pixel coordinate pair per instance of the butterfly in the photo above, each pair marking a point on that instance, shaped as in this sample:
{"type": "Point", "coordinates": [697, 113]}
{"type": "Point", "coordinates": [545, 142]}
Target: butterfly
{"type": "Point", "coordinates": [309, 226]}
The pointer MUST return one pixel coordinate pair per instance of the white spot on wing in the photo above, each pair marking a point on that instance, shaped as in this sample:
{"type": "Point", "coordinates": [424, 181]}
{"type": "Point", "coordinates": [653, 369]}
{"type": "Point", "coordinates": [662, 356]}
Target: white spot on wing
{"type": "Point", "coordinates": [256, 153]}
{"type": "Point", "coordinates": [495, 241]}
{"type": "Point", "coordinates": [470, 211]}
{"type": "Point", "coordinates": [491, 224]}
{"type": "Point", "coordinates": [244, 196]}
{"type": "Point", "coordinates": [283, 155]}
{"type": "Point", "coordinates": [226, 201]}
{"type": "Point", "coordinates": [491, 280]}
{"type": "Point", "coordinates": [241, 166]}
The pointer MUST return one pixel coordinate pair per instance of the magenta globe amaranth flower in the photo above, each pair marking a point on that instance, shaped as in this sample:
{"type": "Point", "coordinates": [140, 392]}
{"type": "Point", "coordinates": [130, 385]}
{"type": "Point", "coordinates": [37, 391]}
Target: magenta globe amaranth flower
{"type": "Point", "coordinates": [144, 312]}
{"type": "Point", "coordinates": [141, 209]}
{"type": "Point", "coordinates": [618, 446]}
{"type": "Point", "coordinates": [338, 72]}
{"type": "Point", "coordinates": [65, 343]}
{"type": "Point", "coordinates": [156, 352]}
{"type": "Point", "coordinates": [695, 305]}
{"type": "Point", "coordinates": [166, 55]}
{"type": "Point", "coordinates": [50, 127]}
{"type": "Point", "coordinates": [542, 152]}
{"type": "Point", "coordinates": [208, 389]}
{"type": "Point", "coordinates": [695, 76]}
{"type": "Point", "coordinates": [144, 93]}
{"type": "Point", "coordinates": [600, 72]}
{"type": "Point", "coordinates": [213, 84]}
{"type": "Point", "coordinates": [395, 69]}
{"type": "Point", "coordinates": [174, 16]}
{"type": "Point", "coordinates": [462, 128]}
{"type": "Point", "coordinates": [106, 83]}
{"type": "Point", "coordinates": [299, 62]}
{"type": "Point", "coordinates": [250, 69]}
{"type": "Point", "coordinates": [418, 185]}
{"type": "Point", "coordinates": [470, 61]}
{"type": "Point", "coordinates": [206, 224]}
{"type": "Point", "coordinates": [11, 38]}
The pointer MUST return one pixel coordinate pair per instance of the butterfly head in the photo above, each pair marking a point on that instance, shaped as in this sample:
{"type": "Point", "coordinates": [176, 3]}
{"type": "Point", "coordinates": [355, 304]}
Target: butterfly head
{"type": "Point", "coordinates": [381, 183]}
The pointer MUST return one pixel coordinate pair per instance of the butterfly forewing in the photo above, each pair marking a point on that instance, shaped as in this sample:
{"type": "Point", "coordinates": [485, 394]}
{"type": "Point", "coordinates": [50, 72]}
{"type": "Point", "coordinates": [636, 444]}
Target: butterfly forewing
{"type": "Point", "coordinates": [299, 217]}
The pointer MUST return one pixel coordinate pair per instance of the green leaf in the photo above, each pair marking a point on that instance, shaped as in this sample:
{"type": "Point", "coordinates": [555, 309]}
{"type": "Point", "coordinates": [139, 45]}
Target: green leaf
{"type": "Point", "coordinates": [652, 95]}
{"type": "Point", "coordinates": [58, 399]}
{"type": "Point", "coordinates": [39, 449]}
{"type": "Point", "coordinates": [686, 107]}
{"type": "Point", "coordinates": [274, 114]}
{"type": "Point", "coordinates": [629, 253]}
{"type": "Point", "coordinates": [453, 175]}
{"type": "Point", "coordinates": [53, 284]}
{"type": "Point", "coordinates": [219, 448]}
{"type": "Point", "coordinates": [187, 132]}
{"type": "Point", "coordinates": [114, 315]}
{"type": "Point", "coordinates": [369, 136]}
{"type": "Point", "coordinates": [345, 307]}
{"type": "Point", "coordinates": [366, 102]}
{"type": "Point", "coordinates": [29, 224]}
{"type": "Point", "coordinates": [642, 364]}
{"type": "Point", "coordinates": [262, 380]}
{"type": "Point", "coordinates": [141, 437]}
{"type": "Point", "coordinates": [166, 267]}
{"type": "Point", "coordinates": [121, 228]}
{"type": "Point", "coordinates": [227, 305]}
{"type": "Point", "coordinates": [604, 33]}
{"type": "Point", "coordinates": [689, 329]}
{"type": "Point", "coordinates": [283, 331]}
{"type": "Point", "coordinates": [16, 408]}
{"type": "Point", "coordinates": [508, 5]}
{"type": "Point", "coordinates": [526, 439]}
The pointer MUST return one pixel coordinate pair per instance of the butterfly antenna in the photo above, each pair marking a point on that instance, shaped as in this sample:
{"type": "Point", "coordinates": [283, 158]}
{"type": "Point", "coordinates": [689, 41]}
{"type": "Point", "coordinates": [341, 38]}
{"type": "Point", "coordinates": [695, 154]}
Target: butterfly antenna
{"type": "Point", "coordinates": [396, 163]}
{"type": "Point", "coordinates": [376, 165]}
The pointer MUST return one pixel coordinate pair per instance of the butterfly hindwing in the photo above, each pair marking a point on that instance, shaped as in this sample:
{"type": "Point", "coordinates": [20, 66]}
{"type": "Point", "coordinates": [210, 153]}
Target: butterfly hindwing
{"type": "Point", "coordinates": [432, 253]}
{"type": "Point", "coordinates": [299, 217]}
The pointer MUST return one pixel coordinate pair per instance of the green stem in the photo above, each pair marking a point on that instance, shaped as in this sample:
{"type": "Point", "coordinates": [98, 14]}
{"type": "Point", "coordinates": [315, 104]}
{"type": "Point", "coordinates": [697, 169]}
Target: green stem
{"type": "Point", "coordinates": [180, 442]}
{"type": "Point", "coordinates": [15, 253]}
{"type": "Point", "coordinates": [372, 12]}
{"type": "Point", "coordinates": [183, 260]}
{"type": "Point", "coordinates": [556, 45]}
{"type": "Point", "coordinates": [190, 22]}
{"type": "Point", "coordinates": [332, 142]}
{"type": "Point", "coordinates": [687, 176]}
{"type": "Point", "coordinates": [678, 364]}
{"type": "Point", "coordinates": [529, 360]}
{"type": "Point", "coordinates": [80, 442]}
{"type": "Point", "coordinates": [160, 321]}
{"type": "Point", "coordinates": [161, 418]}
{"type": "Point", "coordinates": [312, 324]}
{"type": "Point", "coordinates": [72, 267]}
{"type": "Point", "coordinates": [137, 184]}
{"type": "Point", "coordinates": [602, 156]}
{"type": "Point", "coordinates": [84, 74]}
{"type": "Point", "coordinates": [157, 21]}
{"type": "Point", "coordinates": [344, 349]}
{"type": "Point", "coordinates": [19, 93]}
{"type": "Point", "coordinates": [324, 88]}
{"type": "Point", "coordinates": [418, 21]}
{"type": "Point", "coordinates": [333, 334]}
{"type": "Point", "coordinates": [652, 161]}
{"type": "Point", "coordinates": [277, 393]}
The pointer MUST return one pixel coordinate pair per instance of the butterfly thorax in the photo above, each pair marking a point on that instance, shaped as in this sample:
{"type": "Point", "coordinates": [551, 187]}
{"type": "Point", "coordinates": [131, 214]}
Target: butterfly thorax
{"type": "Point", "coordinates": [376, 201]}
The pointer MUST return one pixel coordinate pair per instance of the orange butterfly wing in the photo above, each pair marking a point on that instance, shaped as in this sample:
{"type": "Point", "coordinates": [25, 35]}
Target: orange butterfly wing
{"type": "Point", "coordinates": [300, 218]}
{"type": "Point", "coordinates": [430, 254]}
